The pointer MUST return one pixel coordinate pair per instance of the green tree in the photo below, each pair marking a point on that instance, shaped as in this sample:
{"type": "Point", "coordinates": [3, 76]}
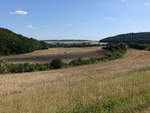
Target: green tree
{"type": "Point", "coordinates": [56, 63]}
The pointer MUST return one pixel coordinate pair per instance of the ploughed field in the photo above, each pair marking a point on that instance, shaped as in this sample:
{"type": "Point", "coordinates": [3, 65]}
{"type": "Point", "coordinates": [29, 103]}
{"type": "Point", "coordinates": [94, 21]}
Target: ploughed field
{"type": "Point", "coordinates": [119, 86]}
{"type": "Point", "coordinates": [62, 53]}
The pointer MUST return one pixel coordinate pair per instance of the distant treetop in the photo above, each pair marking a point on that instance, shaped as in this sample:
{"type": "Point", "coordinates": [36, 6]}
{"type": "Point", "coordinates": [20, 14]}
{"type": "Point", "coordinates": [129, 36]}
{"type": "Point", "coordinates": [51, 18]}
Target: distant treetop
{"type": "Point", "coordinates": [12, 43]}
{"type": "Point", "coordinates": [143, 37]}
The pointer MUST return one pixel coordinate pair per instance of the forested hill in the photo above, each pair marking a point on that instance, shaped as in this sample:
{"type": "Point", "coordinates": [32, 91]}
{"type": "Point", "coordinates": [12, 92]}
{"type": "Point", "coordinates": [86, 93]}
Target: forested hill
{"type": "Point", "coordinates": [12, 43]}
{"type": "Point", "coordinates": [143, 37]}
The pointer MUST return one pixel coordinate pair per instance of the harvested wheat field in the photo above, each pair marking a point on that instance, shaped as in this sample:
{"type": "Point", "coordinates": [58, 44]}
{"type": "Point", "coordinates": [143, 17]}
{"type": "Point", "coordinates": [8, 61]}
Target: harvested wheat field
{"type": "Point", "coordinates": [119, 86]}
{"type": "Point", "coordinates": [62, 53]}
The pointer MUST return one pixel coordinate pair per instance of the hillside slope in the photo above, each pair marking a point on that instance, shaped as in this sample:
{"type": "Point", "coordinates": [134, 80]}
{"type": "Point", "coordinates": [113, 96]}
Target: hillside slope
{"type": "Point", "coordinates": [134, 59]}
{"type": "Point", "coordinates": [143, 37]}
{"type": "Point", "coordinates": [12, 43]}
{"type": "Point", "coordinates": [49, 91]}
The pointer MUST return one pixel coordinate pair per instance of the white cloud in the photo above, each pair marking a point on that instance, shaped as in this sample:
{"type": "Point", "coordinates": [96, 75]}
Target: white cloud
{"type": "Point", "coordinates": [110, 18]}
{"type": "Point", "coordinates": [19, 12]}
{"type": "Point", "coordinates": [146, 3]}
{"type": "Point", "coordinates": [29, 26]}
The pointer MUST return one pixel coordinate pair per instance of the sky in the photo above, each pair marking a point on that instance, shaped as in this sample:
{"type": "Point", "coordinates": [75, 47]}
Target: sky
{"type": "Point", "coordinates": [75, 19]}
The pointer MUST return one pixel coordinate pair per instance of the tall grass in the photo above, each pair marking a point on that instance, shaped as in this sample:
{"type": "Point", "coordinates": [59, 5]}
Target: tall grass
{"type": "Point", "coordinates": [119, 93]}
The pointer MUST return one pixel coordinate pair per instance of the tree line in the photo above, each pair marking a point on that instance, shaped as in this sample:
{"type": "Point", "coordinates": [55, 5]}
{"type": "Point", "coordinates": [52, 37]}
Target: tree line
{"type": "Point", "coordinates": [84, 44]}
{"type": "Point", "coordinates": [114, 52]}
{"type": "Point", "coordinates": [12, 43]}
{"type": "Point", "coordinates": [142, 38]}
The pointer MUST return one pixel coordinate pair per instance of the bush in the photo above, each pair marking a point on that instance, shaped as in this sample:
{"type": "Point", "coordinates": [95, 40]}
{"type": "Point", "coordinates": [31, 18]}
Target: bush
{"type": "Point", "coordinates": [139, 46]}
{"type": "Point", "coordinates": [56, 63]}
{"type": "Point", "coordinates": [92, 60]}
{"type": "Point", "coordinates": [76, 62]}
{"type": "Point", "coordinates": [21, 68]}
{"type": "Point", "coordinates": [116, 51]}
{"type": "Point", "coordinates": [118, 46]}
{"type": "Point", "coordinates": [3, 67]}
{"type": "Point", "coordinates": [80, 61]}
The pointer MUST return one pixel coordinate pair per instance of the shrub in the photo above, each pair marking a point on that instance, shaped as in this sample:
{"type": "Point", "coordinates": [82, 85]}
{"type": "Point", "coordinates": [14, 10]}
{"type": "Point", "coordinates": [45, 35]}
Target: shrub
{"type": "Point", "coordinates": [20, 68]}
{"type": "Point", "coordinates": [139, 46]}
{"type": "Point", "coordinates": [42, 67]}
{"type": "Point", "coordinates": [118, 46]}
{"type": "Point", "coordinates": [3, 67]}
{"type": "Point", "coordinates": [92, 60]}
{"type": "Point", "coordinates": [56, 63]}
{"type": "Point", "coordinates": [80, 61]}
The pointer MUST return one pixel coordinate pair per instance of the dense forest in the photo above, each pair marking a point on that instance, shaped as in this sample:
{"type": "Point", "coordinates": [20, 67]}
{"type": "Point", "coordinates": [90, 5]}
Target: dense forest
{"type": "Point", "coordinates": [143, 38]}
{"type": "Point", "coordinates": [12, 43]}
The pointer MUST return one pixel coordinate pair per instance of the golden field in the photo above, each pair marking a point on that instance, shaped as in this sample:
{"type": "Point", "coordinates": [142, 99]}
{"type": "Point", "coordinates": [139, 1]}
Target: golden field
{"type": "Point", "coordinates": [119, 86]}
{"type": "Point", "coordinates": [65, 54]}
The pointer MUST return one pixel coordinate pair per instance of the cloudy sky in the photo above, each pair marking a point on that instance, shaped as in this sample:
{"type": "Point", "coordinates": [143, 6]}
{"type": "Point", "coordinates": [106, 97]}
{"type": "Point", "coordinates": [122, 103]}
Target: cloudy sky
{"type": "Point", "coordinates": [75, 19]}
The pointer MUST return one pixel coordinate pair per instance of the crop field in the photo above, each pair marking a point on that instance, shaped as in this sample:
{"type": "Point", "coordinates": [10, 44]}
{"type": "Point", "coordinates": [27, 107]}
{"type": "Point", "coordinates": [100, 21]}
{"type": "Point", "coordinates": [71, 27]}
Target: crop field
{"type": "Point", "coordinates": [118, 86]}
{"type": "Point", "coordinates": [72, 42]}
{"type": "Point", "coordinates": [74, 56]}
{"type": "Point", "coordinates": [62, 53]}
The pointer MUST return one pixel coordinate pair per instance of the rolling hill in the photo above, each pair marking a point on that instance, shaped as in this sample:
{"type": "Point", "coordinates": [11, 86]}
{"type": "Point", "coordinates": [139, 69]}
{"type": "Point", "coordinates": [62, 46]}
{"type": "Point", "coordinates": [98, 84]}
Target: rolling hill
{"type": "Point", "coordinates": [143, 37]}
{"type": "Point", "coordinates": [12, 43]}
{"type": "Point", "coordinates": [118, 86]}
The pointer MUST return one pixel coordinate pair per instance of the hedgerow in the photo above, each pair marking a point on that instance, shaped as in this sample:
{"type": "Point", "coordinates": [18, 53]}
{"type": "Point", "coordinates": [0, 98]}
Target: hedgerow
{"type": "Point", "coordinates": [115, 52]}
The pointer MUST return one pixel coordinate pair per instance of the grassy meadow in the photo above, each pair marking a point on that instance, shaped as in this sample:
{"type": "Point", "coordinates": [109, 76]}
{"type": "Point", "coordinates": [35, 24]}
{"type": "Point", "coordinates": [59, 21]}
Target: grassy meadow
{"type": "Point", "coordinates": [112, 87]}
{"type": "Point", "coordinates": [117, 93]}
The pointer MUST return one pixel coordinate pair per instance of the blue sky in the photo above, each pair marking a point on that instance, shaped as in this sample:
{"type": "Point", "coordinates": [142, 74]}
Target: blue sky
{"type": "Point", "coordinates": [75, 19]}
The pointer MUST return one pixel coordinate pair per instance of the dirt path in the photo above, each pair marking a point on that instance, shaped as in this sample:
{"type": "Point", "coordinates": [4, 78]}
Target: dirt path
{"type": "Point", "coordinates": [19, 83]}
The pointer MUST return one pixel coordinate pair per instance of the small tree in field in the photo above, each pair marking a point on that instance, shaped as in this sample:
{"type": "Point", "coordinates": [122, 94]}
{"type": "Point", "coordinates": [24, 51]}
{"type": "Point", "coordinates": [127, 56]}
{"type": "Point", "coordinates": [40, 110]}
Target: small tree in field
{"type": "Point", "coordinates": [56, 63]}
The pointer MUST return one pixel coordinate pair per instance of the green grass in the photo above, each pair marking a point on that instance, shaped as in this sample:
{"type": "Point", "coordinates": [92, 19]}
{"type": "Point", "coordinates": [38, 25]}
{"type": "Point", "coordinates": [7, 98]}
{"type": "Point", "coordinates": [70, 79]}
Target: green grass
{"type": "Point", "coordinates": [124, 104]}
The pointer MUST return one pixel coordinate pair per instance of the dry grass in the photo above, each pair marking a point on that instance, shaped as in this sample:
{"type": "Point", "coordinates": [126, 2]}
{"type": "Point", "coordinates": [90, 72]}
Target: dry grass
{"type": "Point", "coordinates": [50, 91]}
{"type": "Point", "coordinates": [63, 53]}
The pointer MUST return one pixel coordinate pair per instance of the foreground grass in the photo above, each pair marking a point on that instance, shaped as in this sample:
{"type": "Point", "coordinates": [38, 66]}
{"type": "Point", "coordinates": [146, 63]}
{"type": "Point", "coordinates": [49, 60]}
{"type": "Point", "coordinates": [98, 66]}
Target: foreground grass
{"type": "Point", "coordinates": [118, 93]}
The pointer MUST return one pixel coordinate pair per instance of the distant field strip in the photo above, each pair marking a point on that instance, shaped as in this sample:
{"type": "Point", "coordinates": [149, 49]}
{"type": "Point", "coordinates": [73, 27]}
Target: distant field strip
{"type": "Point", "coordinates": [100, 88]}
{"type": "Point", "coordinates": [62, 53]}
